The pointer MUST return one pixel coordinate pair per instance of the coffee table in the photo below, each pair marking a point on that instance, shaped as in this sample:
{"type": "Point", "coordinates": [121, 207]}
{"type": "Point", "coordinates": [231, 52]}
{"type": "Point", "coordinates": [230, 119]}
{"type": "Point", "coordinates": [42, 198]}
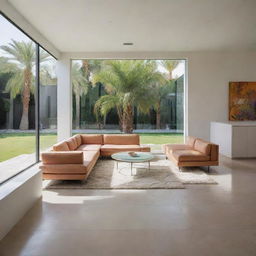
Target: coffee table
{"type": "Point", "coordinates": [140, 158]}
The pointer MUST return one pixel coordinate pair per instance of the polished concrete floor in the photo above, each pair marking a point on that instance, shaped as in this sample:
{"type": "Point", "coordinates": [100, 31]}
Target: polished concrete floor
{"type": "Point", "coordinates": [199, 220]}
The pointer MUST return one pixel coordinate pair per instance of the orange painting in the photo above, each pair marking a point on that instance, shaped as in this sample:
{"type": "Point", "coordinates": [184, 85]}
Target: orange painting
{"type": "Point", "coordinates": [242, 101]}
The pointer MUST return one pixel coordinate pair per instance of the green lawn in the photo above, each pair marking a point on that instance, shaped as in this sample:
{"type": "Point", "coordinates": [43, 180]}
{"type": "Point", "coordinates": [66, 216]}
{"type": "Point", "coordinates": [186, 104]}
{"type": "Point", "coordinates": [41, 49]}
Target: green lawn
{"type": "Point", "coordinates": [12, 145]}
{"type": "Point", "coordinates": [160, 138]}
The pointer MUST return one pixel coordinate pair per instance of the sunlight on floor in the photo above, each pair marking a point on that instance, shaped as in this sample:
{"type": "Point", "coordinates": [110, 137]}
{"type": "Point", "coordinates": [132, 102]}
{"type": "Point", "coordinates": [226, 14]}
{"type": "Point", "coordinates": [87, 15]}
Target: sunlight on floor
{"type": "Point", "coordinates": [55, 198]}
{"type": "Point", "coordinates": [225, 182]}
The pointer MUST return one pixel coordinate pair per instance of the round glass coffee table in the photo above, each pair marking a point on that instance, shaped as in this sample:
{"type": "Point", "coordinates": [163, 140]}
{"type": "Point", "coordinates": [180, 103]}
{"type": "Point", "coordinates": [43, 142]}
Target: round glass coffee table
{"type": "Point", "coordinates": [139, 158]}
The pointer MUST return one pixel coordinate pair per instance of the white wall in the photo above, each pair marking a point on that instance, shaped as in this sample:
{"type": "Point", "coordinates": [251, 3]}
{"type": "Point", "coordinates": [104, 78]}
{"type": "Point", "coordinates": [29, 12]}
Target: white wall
{"type": "Point", "coordinates": [208, 76]}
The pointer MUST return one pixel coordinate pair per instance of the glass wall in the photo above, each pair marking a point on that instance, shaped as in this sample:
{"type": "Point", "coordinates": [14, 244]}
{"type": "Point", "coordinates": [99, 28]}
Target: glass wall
{"type": "Point", "coordinates": [18, 100]}
{"type": "Point", "coordinates": [125, 96]}
{"type": "Point", "coordinates": [48, 100]}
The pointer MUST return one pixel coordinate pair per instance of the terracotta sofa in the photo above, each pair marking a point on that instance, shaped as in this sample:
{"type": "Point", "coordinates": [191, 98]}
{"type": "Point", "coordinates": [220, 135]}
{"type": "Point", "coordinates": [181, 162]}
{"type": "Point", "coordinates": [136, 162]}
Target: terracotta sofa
{"type": "Point", "coordinates": [74, 158]}
{"type": "Point", "coordinates": [196, 152]}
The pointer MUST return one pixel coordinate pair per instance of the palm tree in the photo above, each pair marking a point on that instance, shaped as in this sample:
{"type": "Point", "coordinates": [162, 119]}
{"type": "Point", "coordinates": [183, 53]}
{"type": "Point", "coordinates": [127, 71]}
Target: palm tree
{"type": "Point", "coordinates": [161, 91]}
{"type": "Point", "coordinates": [22, 55]}
{"type": "Point", "coordinates": [169, 65]}
{"type": "Point", "coordinates": [80, 86]}
{"type": "Point", "coordinates": [164, 87]}
{"type": "Point", "coordinates": [90, 67]}
{"type": "Point", "coordinates": [46, 76]}
{"type": "Point", "coordinates": [128, 85]}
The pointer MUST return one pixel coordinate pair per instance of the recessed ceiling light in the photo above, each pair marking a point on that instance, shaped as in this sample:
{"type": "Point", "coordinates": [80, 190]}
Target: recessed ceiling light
{"type": "Point", "coordinates": [127, 43]}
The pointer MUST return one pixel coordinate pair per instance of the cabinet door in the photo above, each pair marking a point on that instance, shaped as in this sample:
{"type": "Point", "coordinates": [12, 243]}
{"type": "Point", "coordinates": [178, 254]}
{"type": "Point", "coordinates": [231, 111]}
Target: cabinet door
{"type": "Point", "coordinates": [240, 141]}
{"type": "Point", "coordinates": [251, 141]}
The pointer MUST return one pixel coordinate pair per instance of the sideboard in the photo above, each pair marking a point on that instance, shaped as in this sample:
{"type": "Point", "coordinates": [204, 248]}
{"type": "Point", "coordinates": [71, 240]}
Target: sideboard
{"type": "Point", "coordinates": [236, 139]}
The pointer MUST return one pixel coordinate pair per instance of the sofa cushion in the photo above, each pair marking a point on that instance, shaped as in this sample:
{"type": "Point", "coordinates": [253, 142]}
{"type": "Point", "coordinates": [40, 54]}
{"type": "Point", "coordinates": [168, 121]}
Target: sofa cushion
{"type": "Point", "coordinates": [121, 139]}
{"type": "Point", "coordinates": [202, 146]}
{"type": "Point", "coordinates": [90, 158]}
{"type": "Point", "coordinates": [113, 147]}
{"type": "Point", "coordinates": [189, 156]}
{"type": "Point", "coordinates": [72, 145]}
{"type": "Point", "coordinates": [190, 141]}
{"type": "Point", "coordinates": [61, 146]}
{"type": "Point", "coordinates": [78, 139]}
{"type": "Point", "coordinates": [92, 139]}
{"type": "Point", "coordinates": [89, 147]}
{"type": "Point", "coordinates": [168, 148]}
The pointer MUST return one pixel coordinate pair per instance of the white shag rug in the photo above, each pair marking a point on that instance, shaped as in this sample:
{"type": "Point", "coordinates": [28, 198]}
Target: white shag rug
{"type": "Point", "coordinates": [161, 175]}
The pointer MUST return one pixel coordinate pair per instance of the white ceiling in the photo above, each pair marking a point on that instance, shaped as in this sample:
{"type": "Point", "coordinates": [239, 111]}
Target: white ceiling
{"type": "Point", "coordinates": [152, 25]}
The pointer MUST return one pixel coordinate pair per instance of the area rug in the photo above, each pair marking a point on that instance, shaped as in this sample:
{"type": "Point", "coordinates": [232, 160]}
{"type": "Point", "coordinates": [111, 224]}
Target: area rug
{"type": "Point", "coordinates": [161, 175]}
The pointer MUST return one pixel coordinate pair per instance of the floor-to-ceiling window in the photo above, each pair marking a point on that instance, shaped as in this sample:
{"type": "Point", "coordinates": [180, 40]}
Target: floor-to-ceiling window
{"type": "Point", "coordinates": [142, 96]}
{"type": "Point", "coordinates": [48, 100]}
{"type": "Point", "coordinates": [27, 77]}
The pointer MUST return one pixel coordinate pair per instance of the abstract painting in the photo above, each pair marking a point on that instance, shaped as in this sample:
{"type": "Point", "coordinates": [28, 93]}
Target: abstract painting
{"type": "Point", "coordinates": [242, 101]}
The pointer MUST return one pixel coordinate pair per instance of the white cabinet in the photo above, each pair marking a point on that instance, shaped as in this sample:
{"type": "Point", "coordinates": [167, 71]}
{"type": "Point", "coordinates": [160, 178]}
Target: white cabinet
{"type": "Point", "coordinates": [251, 141]}
{"type": "Point", "coordinates": [236, 140]}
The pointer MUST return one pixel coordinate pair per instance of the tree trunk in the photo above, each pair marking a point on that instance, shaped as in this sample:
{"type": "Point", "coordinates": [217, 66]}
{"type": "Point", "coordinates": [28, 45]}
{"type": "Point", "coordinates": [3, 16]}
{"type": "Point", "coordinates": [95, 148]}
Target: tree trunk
{"type": "Point", "coordinates": [120, 118]}
{"type": "Point", "coordinates": [86, 69]}
{"type": "Point", "coordinates": [158, 115]}
{"type": "Point", "coordinates": [170, 75]}
{"type": "Point", "coordinates": [77, 111]}
{"type": "Point", "coordinates": [120, 123]}
{"type": "Point", "coordinates": [128, 120]}
{"type": "Point", "coordinates": [10, 114]}
{"type": "Point", "coordinates": [24, 125]}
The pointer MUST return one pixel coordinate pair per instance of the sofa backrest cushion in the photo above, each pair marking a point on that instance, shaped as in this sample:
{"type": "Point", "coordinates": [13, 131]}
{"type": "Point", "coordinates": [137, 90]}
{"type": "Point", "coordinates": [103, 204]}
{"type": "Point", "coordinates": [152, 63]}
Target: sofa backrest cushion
{"type": "Point", "coordinates": [72, 145]}
{"type": "Point", "coordinates": [122, 139]}
{"type": "Point", "coordinates": [92, 139]}
{"type": "Point", "coordinates": [78, 139]}
{"type": "Point", "coordinates": [202, 146]}
{"type": "Point", "coordinates": [61, 146]}
{"type": "Point", "coordinates": [190, 141]}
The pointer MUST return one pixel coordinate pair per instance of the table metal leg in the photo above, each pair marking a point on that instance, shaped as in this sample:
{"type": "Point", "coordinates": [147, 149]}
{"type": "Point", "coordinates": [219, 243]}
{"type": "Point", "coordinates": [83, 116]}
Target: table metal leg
{"type": "Point", "coordinates": [149, 165]}
{"type": "Point", "coordinates": [131, 168]}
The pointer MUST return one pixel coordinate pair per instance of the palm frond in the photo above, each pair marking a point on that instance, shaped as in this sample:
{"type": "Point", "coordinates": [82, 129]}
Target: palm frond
{"type": "Point", "coordinates": [79, 82]}
{"type": "Point", "coordinates": [106, 103]}
{"type": "Point", "coordinates": [15, 84]}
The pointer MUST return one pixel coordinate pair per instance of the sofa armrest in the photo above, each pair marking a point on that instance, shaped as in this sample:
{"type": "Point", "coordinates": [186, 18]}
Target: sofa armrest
{"type": "Point", "coordinates": [214, 152]}
{"type": "Point", "coordinates": [62, 157]}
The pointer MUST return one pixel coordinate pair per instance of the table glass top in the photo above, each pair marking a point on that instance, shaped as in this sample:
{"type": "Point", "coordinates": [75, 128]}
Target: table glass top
{"type": "Point", "coordinates": [140, 157]}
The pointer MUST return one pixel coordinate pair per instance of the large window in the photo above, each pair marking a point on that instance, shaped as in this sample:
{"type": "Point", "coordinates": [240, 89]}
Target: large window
{"type": "Point", "coordinates": [48, 100]}
{"type": "Point", "coordinates": [125, 96]}
{"type": "Point", "coordinates": [22, 65]}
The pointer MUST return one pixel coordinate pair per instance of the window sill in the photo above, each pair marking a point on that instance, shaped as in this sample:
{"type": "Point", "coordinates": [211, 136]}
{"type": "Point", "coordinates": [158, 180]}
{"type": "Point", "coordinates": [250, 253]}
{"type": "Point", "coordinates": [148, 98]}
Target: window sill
{"type": "Point", "coordinates": [14, 183]}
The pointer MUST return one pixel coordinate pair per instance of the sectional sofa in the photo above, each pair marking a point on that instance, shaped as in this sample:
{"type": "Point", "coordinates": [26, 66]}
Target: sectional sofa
{"type": "Point", "coordinates": [195, 152]}
{"type": "Point", "coordinates": [74, 158]}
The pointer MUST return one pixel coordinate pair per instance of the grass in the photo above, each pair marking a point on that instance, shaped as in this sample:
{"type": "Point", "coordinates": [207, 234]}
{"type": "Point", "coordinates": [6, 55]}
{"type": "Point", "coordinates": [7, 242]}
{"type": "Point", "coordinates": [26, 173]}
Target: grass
{"type": "Point", "coordinates": [160, 138]}
{"type": "Point", "coordinates": [12, 144]}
